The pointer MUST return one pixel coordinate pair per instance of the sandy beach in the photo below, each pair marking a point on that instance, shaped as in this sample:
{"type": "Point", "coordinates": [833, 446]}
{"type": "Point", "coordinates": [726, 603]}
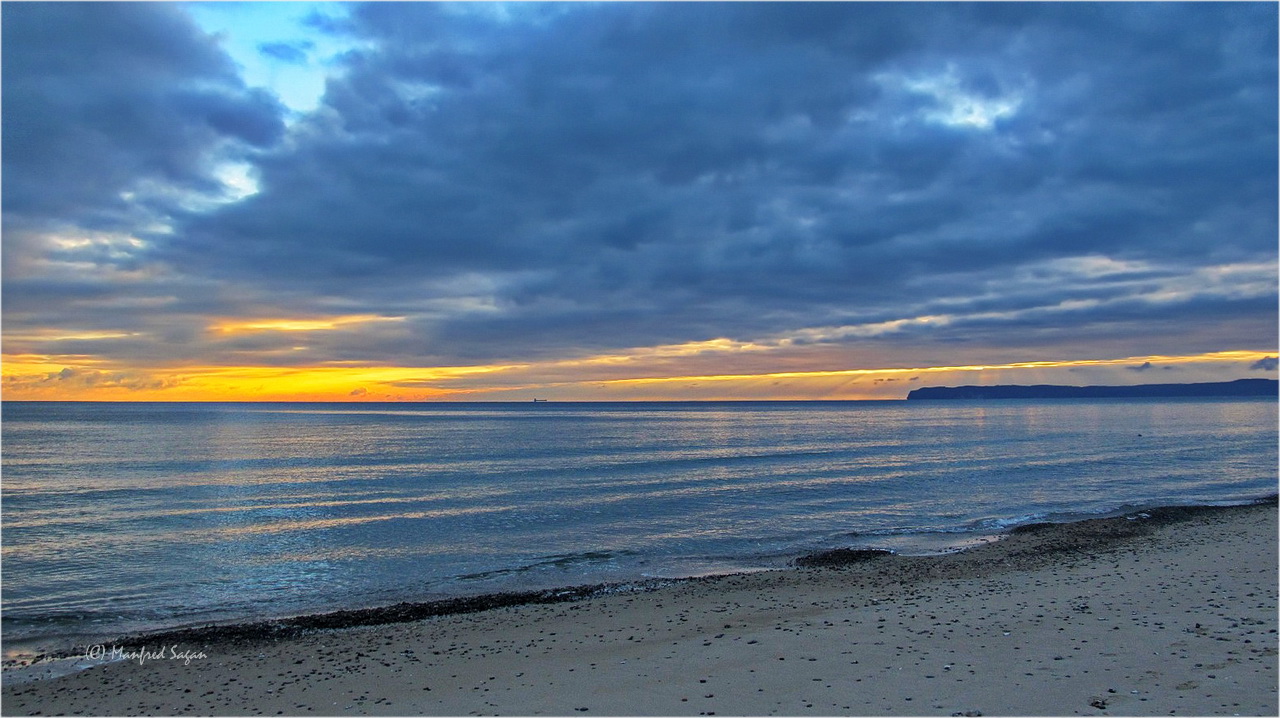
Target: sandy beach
{"type": "Point", "coordinates": [1167, 612]}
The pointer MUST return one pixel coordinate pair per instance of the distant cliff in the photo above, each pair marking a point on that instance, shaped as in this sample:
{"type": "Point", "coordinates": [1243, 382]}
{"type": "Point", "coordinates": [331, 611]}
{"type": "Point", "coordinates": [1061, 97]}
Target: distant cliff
{"type": "Point", "coordinates": [1239, 387]}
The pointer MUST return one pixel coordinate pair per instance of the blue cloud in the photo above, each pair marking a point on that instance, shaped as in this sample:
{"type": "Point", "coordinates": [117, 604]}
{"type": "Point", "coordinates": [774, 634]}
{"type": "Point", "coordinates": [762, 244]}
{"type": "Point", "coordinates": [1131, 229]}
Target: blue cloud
{"type": "Point", "coordinates": [294, 53]}
{"type": "Point", "coordinates": [1265, 364]}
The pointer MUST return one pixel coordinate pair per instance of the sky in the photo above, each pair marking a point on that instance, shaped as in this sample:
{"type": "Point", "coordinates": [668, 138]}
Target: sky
{"type": "Point", "coordinates": [633, 201]}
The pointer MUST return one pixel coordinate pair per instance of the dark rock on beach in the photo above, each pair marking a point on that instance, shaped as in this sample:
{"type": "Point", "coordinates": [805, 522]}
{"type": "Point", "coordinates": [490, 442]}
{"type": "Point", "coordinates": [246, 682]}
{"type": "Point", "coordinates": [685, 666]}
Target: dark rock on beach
{"type": "Point", "coordinates": [841, 557]}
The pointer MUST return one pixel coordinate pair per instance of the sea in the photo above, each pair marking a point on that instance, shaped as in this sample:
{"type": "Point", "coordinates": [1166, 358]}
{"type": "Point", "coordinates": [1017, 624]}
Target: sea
{"type": "Point", "coordinates": [123, 518]}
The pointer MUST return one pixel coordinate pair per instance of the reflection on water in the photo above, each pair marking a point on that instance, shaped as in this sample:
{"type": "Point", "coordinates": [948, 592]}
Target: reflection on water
{"type": "Point", "coordinates": [125, 515]}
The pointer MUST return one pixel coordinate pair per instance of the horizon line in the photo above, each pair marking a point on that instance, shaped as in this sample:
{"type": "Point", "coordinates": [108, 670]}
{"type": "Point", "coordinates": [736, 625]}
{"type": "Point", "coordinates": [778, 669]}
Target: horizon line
{"type": "Point", "coordinates": [653, 401]}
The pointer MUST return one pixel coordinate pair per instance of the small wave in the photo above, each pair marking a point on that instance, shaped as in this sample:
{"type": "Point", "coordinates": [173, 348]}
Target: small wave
{"type": "Point", "coordinates": [1000, 524]}
{"type": "Point", "coordinates": [559, 561]}
{"type": "Point", "coordinates": [986, 525]}
{"type": "Point", "coordinates": [1003, 524]}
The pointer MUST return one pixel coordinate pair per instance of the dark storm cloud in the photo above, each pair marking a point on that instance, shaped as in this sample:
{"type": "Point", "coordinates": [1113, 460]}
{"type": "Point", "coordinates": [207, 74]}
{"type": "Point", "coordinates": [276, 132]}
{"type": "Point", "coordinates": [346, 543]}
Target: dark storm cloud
{"type": "Point", "coordinates": [542, 179]}
{"type": "Point", "coordinates": [1266, 364]}
{"type": "Point", "coordinates": [100, 98]}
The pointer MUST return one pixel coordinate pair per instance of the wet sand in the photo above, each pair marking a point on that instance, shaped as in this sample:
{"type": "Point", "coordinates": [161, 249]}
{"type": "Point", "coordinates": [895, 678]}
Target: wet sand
{"type": "Point", "coordinates": [1170, 612]}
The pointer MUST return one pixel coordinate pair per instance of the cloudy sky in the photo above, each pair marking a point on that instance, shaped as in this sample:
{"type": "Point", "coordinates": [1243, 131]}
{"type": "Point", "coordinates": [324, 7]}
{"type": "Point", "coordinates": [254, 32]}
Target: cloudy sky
{"type": "Point", "coordinates": [633, 201]}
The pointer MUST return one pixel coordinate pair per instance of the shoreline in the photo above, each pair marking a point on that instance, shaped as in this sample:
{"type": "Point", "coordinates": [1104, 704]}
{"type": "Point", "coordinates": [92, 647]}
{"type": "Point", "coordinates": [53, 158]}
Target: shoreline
{"type": "Point", "coordinates": [1101, 527]}
{"type": "Point", "coordinates": [1202, 566]}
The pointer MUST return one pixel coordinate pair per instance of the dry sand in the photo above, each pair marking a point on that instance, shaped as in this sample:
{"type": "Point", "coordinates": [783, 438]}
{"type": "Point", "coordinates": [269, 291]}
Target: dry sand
{"type": "Point", "coordinates": [1174, 613]}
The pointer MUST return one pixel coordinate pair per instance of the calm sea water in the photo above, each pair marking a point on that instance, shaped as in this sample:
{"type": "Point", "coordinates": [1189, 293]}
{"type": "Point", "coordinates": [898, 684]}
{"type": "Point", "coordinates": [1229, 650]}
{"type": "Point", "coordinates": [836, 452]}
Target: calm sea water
{"type": "Point", "coordinates": [128, 517]}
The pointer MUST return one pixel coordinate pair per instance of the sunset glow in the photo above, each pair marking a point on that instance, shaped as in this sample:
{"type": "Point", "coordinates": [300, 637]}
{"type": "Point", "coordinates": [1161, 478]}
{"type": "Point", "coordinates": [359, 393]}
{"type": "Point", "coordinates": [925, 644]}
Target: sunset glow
{"type": "Point", "coordinates": [734, 201]}
{"type": "Point", "coordinates": [232, 326]}
{"type": "Point", "coordinates": [50, 378]}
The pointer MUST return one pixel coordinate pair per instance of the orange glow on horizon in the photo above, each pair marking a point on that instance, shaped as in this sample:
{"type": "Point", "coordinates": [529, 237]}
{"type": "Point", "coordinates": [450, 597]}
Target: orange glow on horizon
{"type": "Point", "coordinates": [37, 378]}
{"type": "Point", "coordinates": [87, 378]}
{"type": "Point", "coordinates": [230, 326]}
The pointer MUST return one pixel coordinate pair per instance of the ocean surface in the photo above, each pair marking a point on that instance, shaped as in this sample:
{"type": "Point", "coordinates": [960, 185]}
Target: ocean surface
{"type": "Point", "coordinates": [119, 518]}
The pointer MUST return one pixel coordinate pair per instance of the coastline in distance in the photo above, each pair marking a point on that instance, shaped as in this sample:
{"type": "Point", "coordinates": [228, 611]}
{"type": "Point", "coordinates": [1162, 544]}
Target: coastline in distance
{"type": "Point", "coordinates": [1237, 388]}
